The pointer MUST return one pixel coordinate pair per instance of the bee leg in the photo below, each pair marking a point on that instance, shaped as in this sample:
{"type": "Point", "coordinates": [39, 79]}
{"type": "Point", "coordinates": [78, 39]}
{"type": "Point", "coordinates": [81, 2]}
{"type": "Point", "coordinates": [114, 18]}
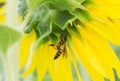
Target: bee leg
{"type": "Point", "coordinates": [52, 45]}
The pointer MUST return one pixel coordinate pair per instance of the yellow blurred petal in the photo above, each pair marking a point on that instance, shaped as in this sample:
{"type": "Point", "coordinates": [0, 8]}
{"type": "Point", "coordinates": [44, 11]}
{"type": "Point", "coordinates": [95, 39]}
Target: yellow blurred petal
{"type": "Point", "coordinates": [109, 32]}
{"type": "Point", "coordinates": [100, 56]}
{"type": "Point", "coordinates": [104, 49]}
{"type": "Point", "coordinates": [2, 0]}
{"type": "Point", "coordinates": [63, 67]}
{"type": "Point", "coordinates": [107, 8]}
{"type": "Point", "coordinates": [51, 68]}
{"type": "Point", "coordinates": [80, 50]}
{"type": "Point", "coordinates": [25, 45]}
{"type": "Point", "coordinates": [43, 61]}
{"type": "Point", "coordinates": [31, 67]}
{"type": "Point", "coordinates": [74, 60]}
{"type": "Point", "coordinates": [2, 18]}
{"type": "Point", "coordinates": [2, 9]}
{"type": "Point", "coordinates": [20, 19]}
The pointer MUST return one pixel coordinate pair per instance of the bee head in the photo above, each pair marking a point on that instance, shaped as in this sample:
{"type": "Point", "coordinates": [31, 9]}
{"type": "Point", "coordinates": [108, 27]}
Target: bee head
{"type": "Point", "coordinates": [63, 37]}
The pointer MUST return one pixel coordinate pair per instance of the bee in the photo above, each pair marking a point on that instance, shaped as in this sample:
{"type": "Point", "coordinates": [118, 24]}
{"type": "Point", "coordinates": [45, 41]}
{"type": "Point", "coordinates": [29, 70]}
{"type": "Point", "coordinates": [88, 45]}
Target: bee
{"type": "Point", "coordinates": [61, 46]}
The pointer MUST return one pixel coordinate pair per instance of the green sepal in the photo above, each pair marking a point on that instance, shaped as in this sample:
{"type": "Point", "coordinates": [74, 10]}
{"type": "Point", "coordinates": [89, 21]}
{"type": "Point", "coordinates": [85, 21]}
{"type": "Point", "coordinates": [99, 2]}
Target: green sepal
{"type": "Point", "coordinates": [78, 22]}
{"type": "Point", "coordinates": [81, 14]}
{"type": "Point", "coordinates": [62, 5]}
{"type": "Point", "coordinates": [54, 38]}
{"type": "Point", "coordinates": [62, 18]}
{"type": "Point", "coordinates": [8, 36]}
{"type": "Point", "coordinates": [33, 24]}
{"type": "Point", "coordinates": [22, 8]}
{"type": "Point", "coordinates": [74, 31]}
{"type": "Point", "coordinates": [33, 4]}
{"type": "Point", "coordinates": [44, 40]}
{"type": "Point", "coordinates": [89, 3]}
{"type": "Point", "coordinates": [45, 31]}
{"type": "Point", "coordinates": [53, 16]}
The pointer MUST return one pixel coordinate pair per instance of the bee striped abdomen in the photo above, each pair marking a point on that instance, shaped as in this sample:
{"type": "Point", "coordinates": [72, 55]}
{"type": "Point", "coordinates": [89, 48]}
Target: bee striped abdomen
{"type": "Point", "coordinates": [61, 46]}
{"type": "Point", "coordinates": [58, 54]}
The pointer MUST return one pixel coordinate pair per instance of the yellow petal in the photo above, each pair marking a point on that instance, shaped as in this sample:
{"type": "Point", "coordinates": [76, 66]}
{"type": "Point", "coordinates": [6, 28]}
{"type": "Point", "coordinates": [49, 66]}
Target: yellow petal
{"type": "Point", "coordinates": [110, 33]}
{"type": "Point", "coordinates": [43, 61]}
{"type": "Point", "coordinates": [2, 9]}
{"type": "Point", "coordinates": [74, 60]}
{"type": "Point", "coordinates": [105, 51]}
{"type": "Point", "coordinates": [25, 45]}
{"type": "Point", "coordinates": [99, 57]}
{"type": "Point", "coordinates": [107, 8]}
{"type": "Point", "coordinates": [80, 51]}
{"type": "Point", "coordinates": [61, 68]}
{"type": "Point", "coordinates": [2, 0]}
{"type": "Point", "coordinates": [31, 67]}
{"type": "Point", "coordinates": [2, 18]}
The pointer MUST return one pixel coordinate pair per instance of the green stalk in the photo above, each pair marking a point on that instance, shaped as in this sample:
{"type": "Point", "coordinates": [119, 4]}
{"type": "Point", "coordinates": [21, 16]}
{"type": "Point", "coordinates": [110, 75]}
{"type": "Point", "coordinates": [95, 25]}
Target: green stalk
{"type": "Point", "coordinates": [12, 14]}
{"type": "Point", "coordinates": [6, 67]}
{"type": "Point", "coordinates": [11, 21]}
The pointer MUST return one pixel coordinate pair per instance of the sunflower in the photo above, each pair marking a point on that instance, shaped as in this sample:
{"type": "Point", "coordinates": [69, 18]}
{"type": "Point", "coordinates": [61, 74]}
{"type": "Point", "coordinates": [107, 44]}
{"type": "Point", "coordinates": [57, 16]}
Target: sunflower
{"type": "Point", "coordinates": [76, 31]}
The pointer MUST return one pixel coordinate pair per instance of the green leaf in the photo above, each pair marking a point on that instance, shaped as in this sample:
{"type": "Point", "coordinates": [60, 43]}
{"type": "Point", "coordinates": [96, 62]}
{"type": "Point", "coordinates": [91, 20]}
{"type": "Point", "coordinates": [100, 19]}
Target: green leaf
{"type": "Point", "coordinates": [8, 36]}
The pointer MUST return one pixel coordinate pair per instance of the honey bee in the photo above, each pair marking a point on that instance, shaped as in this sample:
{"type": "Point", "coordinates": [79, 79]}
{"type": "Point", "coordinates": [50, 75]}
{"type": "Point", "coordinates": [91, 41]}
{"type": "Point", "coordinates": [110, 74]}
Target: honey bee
{"type": "Point", "coordinates": [61, 46]}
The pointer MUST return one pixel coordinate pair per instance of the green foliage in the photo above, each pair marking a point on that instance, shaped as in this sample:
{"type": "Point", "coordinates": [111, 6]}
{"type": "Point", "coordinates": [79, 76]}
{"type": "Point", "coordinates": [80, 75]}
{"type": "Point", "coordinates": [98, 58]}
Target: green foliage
{"type": "Point", "coordinates": [8, 36]}
{"type": "Point", "coordinates": [22, 7]}
{"type": "Point", "coordinates": [46, 15]}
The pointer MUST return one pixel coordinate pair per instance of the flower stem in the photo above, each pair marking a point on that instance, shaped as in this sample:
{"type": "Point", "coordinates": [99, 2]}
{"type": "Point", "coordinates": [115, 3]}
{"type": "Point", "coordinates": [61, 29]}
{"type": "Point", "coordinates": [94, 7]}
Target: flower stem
{"type": "Point", "coordinates": [6, 67]}
{"type": "Point", "coordinates": [11, 14]}
{"type": "Point", "coordinates": [11, 21]}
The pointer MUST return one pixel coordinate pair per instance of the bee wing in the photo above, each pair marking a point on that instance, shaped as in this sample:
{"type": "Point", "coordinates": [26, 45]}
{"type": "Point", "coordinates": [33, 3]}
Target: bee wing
{"type": "Point", "coordinates": [65, 52]}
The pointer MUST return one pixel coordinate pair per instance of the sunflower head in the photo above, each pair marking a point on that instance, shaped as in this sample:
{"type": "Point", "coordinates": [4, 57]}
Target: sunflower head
{"type": "Point", "coordinates": [76, 30]}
